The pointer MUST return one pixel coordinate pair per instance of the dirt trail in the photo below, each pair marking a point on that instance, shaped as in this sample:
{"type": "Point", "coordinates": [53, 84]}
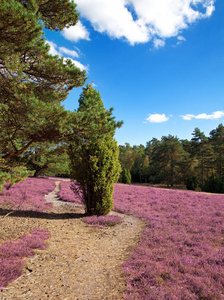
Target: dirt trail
{"type": "Point", "coordinates": [80, 261]}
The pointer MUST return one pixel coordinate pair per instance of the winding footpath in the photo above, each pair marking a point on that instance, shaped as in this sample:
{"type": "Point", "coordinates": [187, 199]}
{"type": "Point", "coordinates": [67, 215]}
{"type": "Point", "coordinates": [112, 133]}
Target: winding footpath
{"type": "Point", "coordinates": [80, 261]}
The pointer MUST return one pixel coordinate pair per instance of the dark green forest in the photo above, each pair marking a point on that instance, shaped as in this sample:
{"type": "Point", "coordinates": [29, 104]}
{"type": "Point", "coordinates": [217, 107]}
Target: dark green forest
{"type": "Point", "coordinates": [198, 163]}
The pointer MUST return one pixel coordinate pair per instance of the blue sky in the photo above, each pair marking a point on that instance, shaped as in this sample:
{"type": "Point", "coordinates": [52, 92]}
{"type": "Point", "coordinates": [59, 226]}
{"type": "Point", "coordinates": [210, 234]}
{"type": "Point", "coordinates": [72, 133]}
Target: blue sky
{"type": "Point", "coordinates": [158, 63]}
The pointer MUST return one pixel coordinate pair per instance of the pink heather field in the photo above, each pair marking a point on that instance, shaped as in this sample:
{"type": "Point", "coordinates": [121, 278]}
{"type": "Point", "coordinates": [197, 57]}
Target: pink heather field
{"type": "Point", "coordinates": [181, 252]}
{"type": "Point", "coordinates": [12, 254]}
{"type": "Point", "coordinates": [28, 195]}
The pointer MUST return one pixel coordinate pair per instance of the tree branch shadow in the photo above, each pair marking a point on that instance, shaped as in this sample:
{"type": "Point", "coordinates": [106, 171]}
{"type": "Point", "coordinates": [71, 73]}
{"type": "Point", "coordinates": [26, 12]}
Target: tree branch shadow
{"type": "Point", "coordinates": [40, 215]}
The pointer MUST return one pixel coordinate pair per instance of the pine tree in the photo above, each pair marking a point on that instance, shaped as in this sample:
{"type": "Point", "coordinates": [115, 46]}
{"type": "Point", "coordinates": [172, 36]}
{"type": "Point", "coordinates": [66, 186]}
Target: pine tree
{"type": "Point", "coordinates": [169, 157]}
{"type": "Point", "coordinates": [32, 82]}
{"type": "Point", "coordinates": [201, 150]}
{"type": "Point", "coordinates": [46, 158]}
{"type": "Point", "coordinates": [217, 141]}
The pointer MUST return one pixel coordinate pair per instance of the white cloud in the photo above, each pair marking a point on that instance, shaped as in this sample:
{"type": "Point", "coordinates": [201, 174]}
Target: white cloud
{"type": "Point", "coordinates": [67, 53]}
{"type": "Point", "coordinates": [114, 19]}
{"type": "Point", "coordinates": [157, 118]}
{"type": "Point", "coordinates": [209, 9]}
{"type": "Point", "coordinates": [53, 47]}
{"type": "Point", "coordinates": [181, 38]}
{"type": "Point", "coordinates": [188, 117]}
{"type": "Point", "coordinates": [139, 21]}
{"type": "Point", "coordinates": [76, 33]}
{"type": "Point", "coordinates": [214, 116]}
{"type": "Point", "coordinates": [158, 43]}
{"type": "Point", "coordinates": [71, 53]}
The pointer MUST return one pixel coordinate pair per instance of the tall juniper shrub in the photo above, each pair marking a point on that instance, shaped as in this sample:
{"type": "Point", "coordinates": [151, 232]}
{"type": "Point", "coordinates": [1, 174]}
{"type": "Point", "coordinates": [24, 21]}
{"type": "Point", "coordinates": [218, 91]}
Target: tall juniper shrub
{"type": "Point", "coordinates": [94, 153]}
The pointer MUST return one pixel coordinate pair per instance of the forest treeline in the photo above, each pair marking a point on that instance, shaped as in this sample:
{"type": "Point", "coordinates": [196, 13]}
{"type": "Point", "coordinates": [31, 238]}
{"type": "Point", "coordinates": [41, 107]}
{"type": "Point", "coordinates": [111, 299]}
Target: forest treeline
{"type": "Point", "coordinates": [196, 163]}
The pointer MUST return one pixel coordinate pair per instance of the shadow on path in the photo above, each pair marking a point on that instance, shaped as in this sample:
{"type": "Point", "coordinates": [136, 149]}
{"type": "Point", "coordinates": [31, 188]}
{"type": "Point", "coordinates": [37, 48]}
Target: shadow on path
{"type": "Point", "coordinates": [40, 215]}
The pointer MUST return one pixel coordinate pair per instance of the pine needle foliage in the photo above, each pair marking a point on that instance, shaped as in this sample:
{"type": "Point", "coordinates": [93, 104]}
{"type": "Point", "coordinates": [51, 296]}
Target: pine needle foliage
{"type": "Point", "coordinates": [33, 83]}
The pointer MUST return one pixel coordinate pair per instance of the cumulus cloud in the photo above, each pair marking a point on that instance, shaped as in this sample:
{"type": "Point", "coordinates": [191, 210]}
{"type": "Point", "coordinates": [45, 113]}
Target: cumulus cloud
{"type": "Point", "coordinates": [214, 116]}
{"type": "Point", "coordinates": [157, 118]}
{"type": "Point", "coordinates": [53, 47]}
{"type": "Point", "coordinates": [67, 53]}
{"type": "Point", "coordinates": [181, 38]}
{"type": "Point", "coordinates": [114, 19]}
{"type": "Point", "coordinates": [158, 43]}
{"type": "Point", "coordinates": [76, 33]}
{"type": "Point", "coordinates": [139, 21]}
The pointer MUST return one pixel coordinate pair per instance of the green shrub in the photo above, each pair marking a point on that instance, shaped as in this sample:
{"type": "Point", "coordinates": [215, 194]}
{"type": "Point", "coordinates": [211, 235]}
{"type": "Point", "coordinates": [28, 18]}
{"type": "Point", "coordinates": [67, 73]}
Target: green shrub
{"type": "Point", "coordinates": [96, 168]}
{"type": "Point", "coordinates": [213, 185]}
{"type": "Point", "coordinates": [191, 182]}
{"type": "Point", "coordinates": [94, 153]}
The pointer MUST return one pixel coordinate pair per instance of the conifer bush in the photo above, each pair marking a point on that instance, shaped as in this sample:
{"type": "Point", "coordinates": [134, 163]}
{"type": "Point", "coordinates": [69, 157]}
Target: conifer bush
{"type": "Point", "coordinates": [94, 153]}
{"type": "Point", "coordinates": [96, 168]}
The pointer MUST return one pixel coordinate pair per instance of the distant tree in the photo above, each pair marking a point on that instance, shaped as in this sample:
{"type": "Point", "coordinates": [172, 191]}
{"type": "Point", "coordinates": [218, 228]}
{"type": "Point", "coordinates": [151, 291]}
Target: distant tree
{"type": "Point", "coordinates": [125, 176]}
{"type": "Point", "coordinates": [126, 159]}
{"type": "Point", "coordinates": [170, 158]}
{"type": "Point", "coordinates": [217, 140]}
{"type": "Point", "coordinates": [94, 154]}
{"type": "Point", "coordinates": [213, 185]}
{"type": "Point", "coordinates": [153, 153]}
{"type": "Point", "coordinates": [141, 163]}
{"type": "Point", "coordinates": [202, 151]}
{"type": "Point", "coordinates": [191, 182]}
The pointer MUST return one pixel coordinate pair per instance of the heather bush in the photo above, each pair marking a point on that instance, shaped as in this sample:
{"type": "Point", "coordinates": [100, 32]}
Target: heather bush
{"type": "Point", "coordinates": [27, 195]}
{"type": "Point", "coordinates": [12, 254]}
{"type": "Point", "coordinates": [102, 221]}
{"type": "Point", "coordinates": [71, 192]}
{"type": "Point", "coordinates": [180, 254]}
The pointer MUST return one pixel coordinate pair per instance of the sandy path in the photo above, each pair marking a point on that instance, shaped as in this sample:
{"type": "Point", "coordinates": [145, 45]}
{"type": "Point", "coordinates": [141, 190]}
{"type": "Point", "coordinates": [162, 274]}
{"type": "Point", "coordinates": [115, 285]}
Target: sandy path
{"type": "Point", "coordinates": [80, 262]}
